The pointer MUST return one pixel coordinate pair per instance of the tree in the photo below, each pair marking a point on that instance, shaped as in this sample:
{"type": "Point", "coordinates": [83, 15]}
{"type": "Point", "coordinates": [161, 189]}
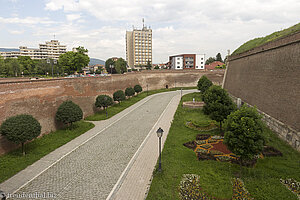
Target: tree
{"type": "Point", "coordinates": [129, 92]}
{"type": "Point", "coordinates": [68, 113]}
{"type": "Point", "coordinates": [120, 66]}
{"type": "Point", "coordinates": [103, 101]}
{"type": "Point", "coordinates": [148, 66]}
{"type": "Point", "coordinates": [218, 104]}
{"type": "Point", "coordinates": [108, 64]}
{"type": "Point", "coordinates": [27, 65]}
{"type": "Point", "coordinates": [219, 57]}
{"type": "Point", "coordinates": [74, 61]}
{"type": "Point", "coordinates": [119, 96]}
{"type": "Point", "coordinates": [203, 84]}
{"type": "Point", "coordinates": [20, 129]}
{"type": "Point", "coordinates": [210, 60]}
{"type": "Point", "coordinates": [244, 133]}
{"type": "Point", "coordinates": [138, 88]}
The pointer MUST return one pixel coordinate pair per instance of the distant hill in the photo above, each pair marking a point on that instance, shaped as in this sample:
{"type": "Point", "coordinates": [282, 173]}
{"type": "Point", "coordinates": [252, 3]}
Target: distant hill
{"type": "Point", "coordinates": [95, 61]}
{"type": "Point", "coordinates": [8, 50]}
{"type": "Point", "coordinates": [262, 40]}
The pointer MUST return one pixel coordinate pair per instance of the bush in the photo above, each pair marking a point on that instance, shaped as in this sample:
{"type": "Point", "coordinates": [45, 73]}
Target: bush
{"type": "Point", "coordinates": [119, 96]}
{"type": "Point", "coordinates": [20, 129]}
{"type": "Point", "coordinates": [103, 101]}
{"type": "Point", "coordinates": [138, 88]}
{"type": "Point", "coordinates": [244, 133]}
{"type": "Point", "coordinates": [68, 113]}
{"type": "Point", "coordinates": [218, 104]}
{"type": "Point", "coordinates": [203, 84]}
{"type": "Point", "coordinates": [129, 92]}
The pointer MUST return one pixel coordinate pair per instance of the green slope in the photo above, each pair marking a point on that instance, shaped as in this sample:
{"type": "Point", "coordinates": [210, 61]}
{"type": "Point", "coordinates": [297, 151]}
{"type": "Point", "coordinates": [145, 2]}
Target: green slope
{"type": "Point", "coordinates": [262, 40]}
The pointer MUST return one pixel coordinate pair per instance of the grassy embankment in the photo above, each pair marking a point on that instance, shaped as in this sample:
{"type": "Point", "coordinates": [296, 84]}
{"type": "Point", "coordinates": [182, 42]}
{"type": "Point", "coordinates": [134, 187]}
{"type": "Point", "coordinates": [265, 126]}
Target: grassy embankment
{"type": "Point", "coordinates": [262, 181]}
{"type": "Point", "coordinates": [262, 40]}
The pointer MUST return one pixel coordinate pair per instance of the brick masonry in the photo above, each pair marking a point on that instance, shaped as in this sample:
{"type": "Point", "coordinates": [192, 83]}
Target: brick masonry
{"type": "Point", "coordinates": [268, 77]}
{"type": "Point", "coordinates": [41, 98]}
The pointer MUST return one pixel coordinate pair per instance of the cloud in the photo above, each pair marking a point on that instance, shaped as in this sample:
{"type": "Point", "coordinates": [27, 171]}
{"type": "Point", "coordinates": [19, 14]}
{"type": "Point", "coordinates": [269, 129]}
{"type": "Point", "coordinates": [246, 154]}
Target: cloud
{"type": "Point", "coordinates": [16, 32]}
{"type": "Point", "coordinates": [72, 17]}
{"type": "Point", "coordinates": [26, 20]}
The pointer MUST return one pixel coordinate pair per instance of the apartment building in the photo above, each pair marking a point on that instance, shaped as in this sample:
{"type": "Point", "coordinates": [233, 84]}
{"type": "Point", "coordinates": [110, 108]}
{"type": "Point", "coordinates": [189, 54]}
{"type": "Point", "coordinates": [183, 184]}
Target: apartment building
{"type": "Point", "coordinates": [52, 49]}
{"type": "Point", "coordinates": [139, 47]}
{"type": "Point", "coordinates": [187, 61]}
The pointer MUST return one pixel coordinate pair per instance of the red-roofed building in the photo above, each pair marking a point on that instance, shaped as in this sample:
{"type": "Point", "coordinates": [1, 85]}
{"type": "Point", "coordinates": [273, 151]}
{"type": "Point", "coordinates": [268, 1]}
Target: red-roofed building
{"type": "Point", "coordinates": [213, 65]}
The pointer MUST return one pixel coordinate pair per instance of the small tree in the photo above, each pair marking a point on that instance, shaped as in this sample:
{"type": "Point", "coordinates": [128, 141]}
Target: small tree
{"type": "Point", "coordinates": [103, 101]}
{"type": "Point", "coordinates": [129, 92]}
{"type": "Point", "coordinates": [138, 88]}
{"type": "Point", "coordinates": [68, 113]}
{"type": "Point", "coordinates": [20, 129]}
{"type": "Point", "coordinates": [119, 96]}
{"type": "Point", "coordinates": [218, 104]}
{"type": "Point", "coordinates": [244, 133]}
{"type": "Point", "coordinates": [203, 84]}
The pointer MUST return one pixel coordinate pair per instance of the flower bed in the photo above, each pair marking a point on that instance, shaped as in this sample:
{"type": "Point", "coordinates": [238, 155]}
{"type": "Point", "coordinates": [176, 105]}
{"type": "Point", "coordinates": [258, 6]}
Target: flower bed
{"type": "Point", "coordinates": [239, 191]}
{"type": "Point", "coordinates": [190, 189]}
{"type": "Point", "coordinates": [209, 147]}
{"type": "Point", "coordinates": [292, 185]}
{"type": "Point", "coordinates": [271, 151]}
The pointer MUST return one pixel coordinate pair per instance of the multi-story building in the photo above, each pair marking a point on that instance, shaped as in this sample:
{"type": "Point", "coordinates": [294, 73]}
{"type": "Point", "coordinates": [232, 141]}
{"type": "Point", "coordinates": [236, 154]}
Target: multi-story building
{"type": "Point", "coordinates": [187, 61]}
{"type": "Point", "coordinates": [139, 47]}
{"type": "Point", "coordinates": [52, 49]}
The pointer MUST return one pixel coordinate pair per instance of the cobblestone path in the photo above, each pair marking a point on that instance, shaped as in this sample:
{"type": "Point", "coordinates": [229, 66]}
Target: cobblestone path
{"type": "Point", "coordinates": [91, 170]}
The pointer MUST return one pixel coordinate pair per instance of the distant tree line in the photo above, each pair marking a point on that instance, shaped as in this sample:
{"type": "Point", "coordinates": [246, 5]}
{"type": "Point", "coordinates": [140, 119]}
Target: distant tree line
{"type": "Point", "coordinates": [213, 59]}
{"type": "Point", "coordinates": [68, 63]}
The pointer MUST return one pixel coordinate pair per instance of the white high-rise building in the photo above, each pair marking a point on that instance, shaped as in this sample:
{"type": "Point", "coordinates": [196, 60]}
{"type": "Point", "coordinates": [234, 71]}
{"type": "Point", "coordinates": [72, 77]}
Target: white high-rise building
{"type": "Point", "coordinates": [139, 47]}
{"type": "Point", "coordinates": [52, 50]}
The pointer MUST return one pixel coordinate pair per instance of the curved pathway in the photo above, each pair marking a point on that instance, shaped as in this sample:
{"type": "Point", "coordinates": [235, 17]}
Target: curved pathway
{"type": "Point", "coordinates": [114, 160]}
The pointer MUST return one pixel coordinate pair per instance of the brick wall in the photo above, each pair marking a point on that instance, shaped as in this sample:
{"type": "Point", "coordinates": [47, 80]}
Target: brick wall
{"type": "Point", "coordinates": [268, 77]}
{"type": "Point", "coordinates": [41, 98]}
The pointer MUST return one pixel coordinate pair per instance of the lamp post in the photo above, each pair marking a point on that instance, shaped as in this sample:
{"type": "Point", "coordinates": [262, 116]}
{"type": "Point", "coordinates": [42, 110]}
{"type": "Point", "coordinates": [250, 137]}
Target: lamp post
{"type": "Point", "coordinates": [54, 62]}
{"type": "Point", "coordinates": [110, 66]}
{"type": "Point", "coordinates": [48, 61]}
{"type": "Point", "coordinates": [147, 89]}
{"type": "Point", "coordinates": [159, 133]}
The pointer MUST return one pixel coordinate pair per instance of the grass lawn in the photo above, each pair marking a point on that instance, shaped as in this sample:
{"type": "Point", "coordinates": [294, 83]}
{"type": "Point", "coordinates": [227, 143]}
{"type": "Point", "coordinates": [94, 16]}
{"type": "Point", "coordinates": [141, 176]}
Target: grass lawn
{"type": "Point", "coordinates": [262, 181]}
{"type": "Point", "coordinates": [13, 162]}
{"type": "Point", "coordinates": [116, 108]}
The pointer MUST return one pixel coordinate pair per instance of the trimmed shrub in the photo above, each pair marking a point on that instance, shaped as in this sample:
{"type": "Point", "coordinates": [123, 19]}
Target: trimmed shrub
{"type": "Point", "coordinates": [20, 129]}
{"type": "Point", "coordinates": [129, 92]}
{"type": "Point", "coordinates": [69, 112]}
{"type": "Point", "coordinates": [119, 96]}
{"type": "Point", "coordinates": [244, 133]}
{"type": "Point", "coordinates": [218, 105]}
{"type": "Point", "coordinates": [203, 84]}
{"type": "Point", "coordinates": [103, 101]}
{"type": "Point", "coordinates": [138, 88]}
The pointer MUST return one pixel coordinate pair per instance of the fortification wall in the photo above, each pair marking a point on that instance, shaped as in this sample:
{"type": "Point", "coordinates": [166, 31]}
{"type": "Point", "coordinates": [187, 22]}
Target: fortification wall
{"type": "Point", "coordinates": [268, 77]}
{"type": "Point", "coordinates": [41, 98]}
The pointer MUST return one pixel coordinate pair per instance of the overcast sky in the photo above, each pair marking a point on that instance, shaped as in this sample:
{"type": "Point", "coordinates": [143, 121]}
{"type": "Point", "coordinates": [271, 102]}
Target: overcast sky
{"type": "Point", "coordinates": [179, 26]}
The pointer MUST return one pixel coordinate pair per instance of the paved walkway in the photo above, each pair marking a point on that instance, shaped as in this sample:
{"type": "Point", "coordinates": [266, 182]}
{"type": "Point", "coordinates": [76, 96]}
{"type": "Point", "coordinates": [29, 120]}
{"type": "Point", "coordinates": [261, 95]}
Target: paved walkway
{"type": "Point", "coordinates": [114, 160]}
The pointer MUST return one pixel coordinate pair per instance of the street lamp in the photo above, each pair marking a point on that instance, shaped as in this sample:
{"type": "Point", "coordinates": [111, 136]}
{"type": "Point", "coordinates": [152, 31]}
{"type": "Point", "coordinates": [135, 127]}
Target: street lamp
{"type": "Point", "coordinates": [110, 66]}
{"type": "Point", "coordinates": [147, 89]}
{"type": "Point", "coordinates": [48, 61]}
{"type": "Point", "coordinates": [159, 133]}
